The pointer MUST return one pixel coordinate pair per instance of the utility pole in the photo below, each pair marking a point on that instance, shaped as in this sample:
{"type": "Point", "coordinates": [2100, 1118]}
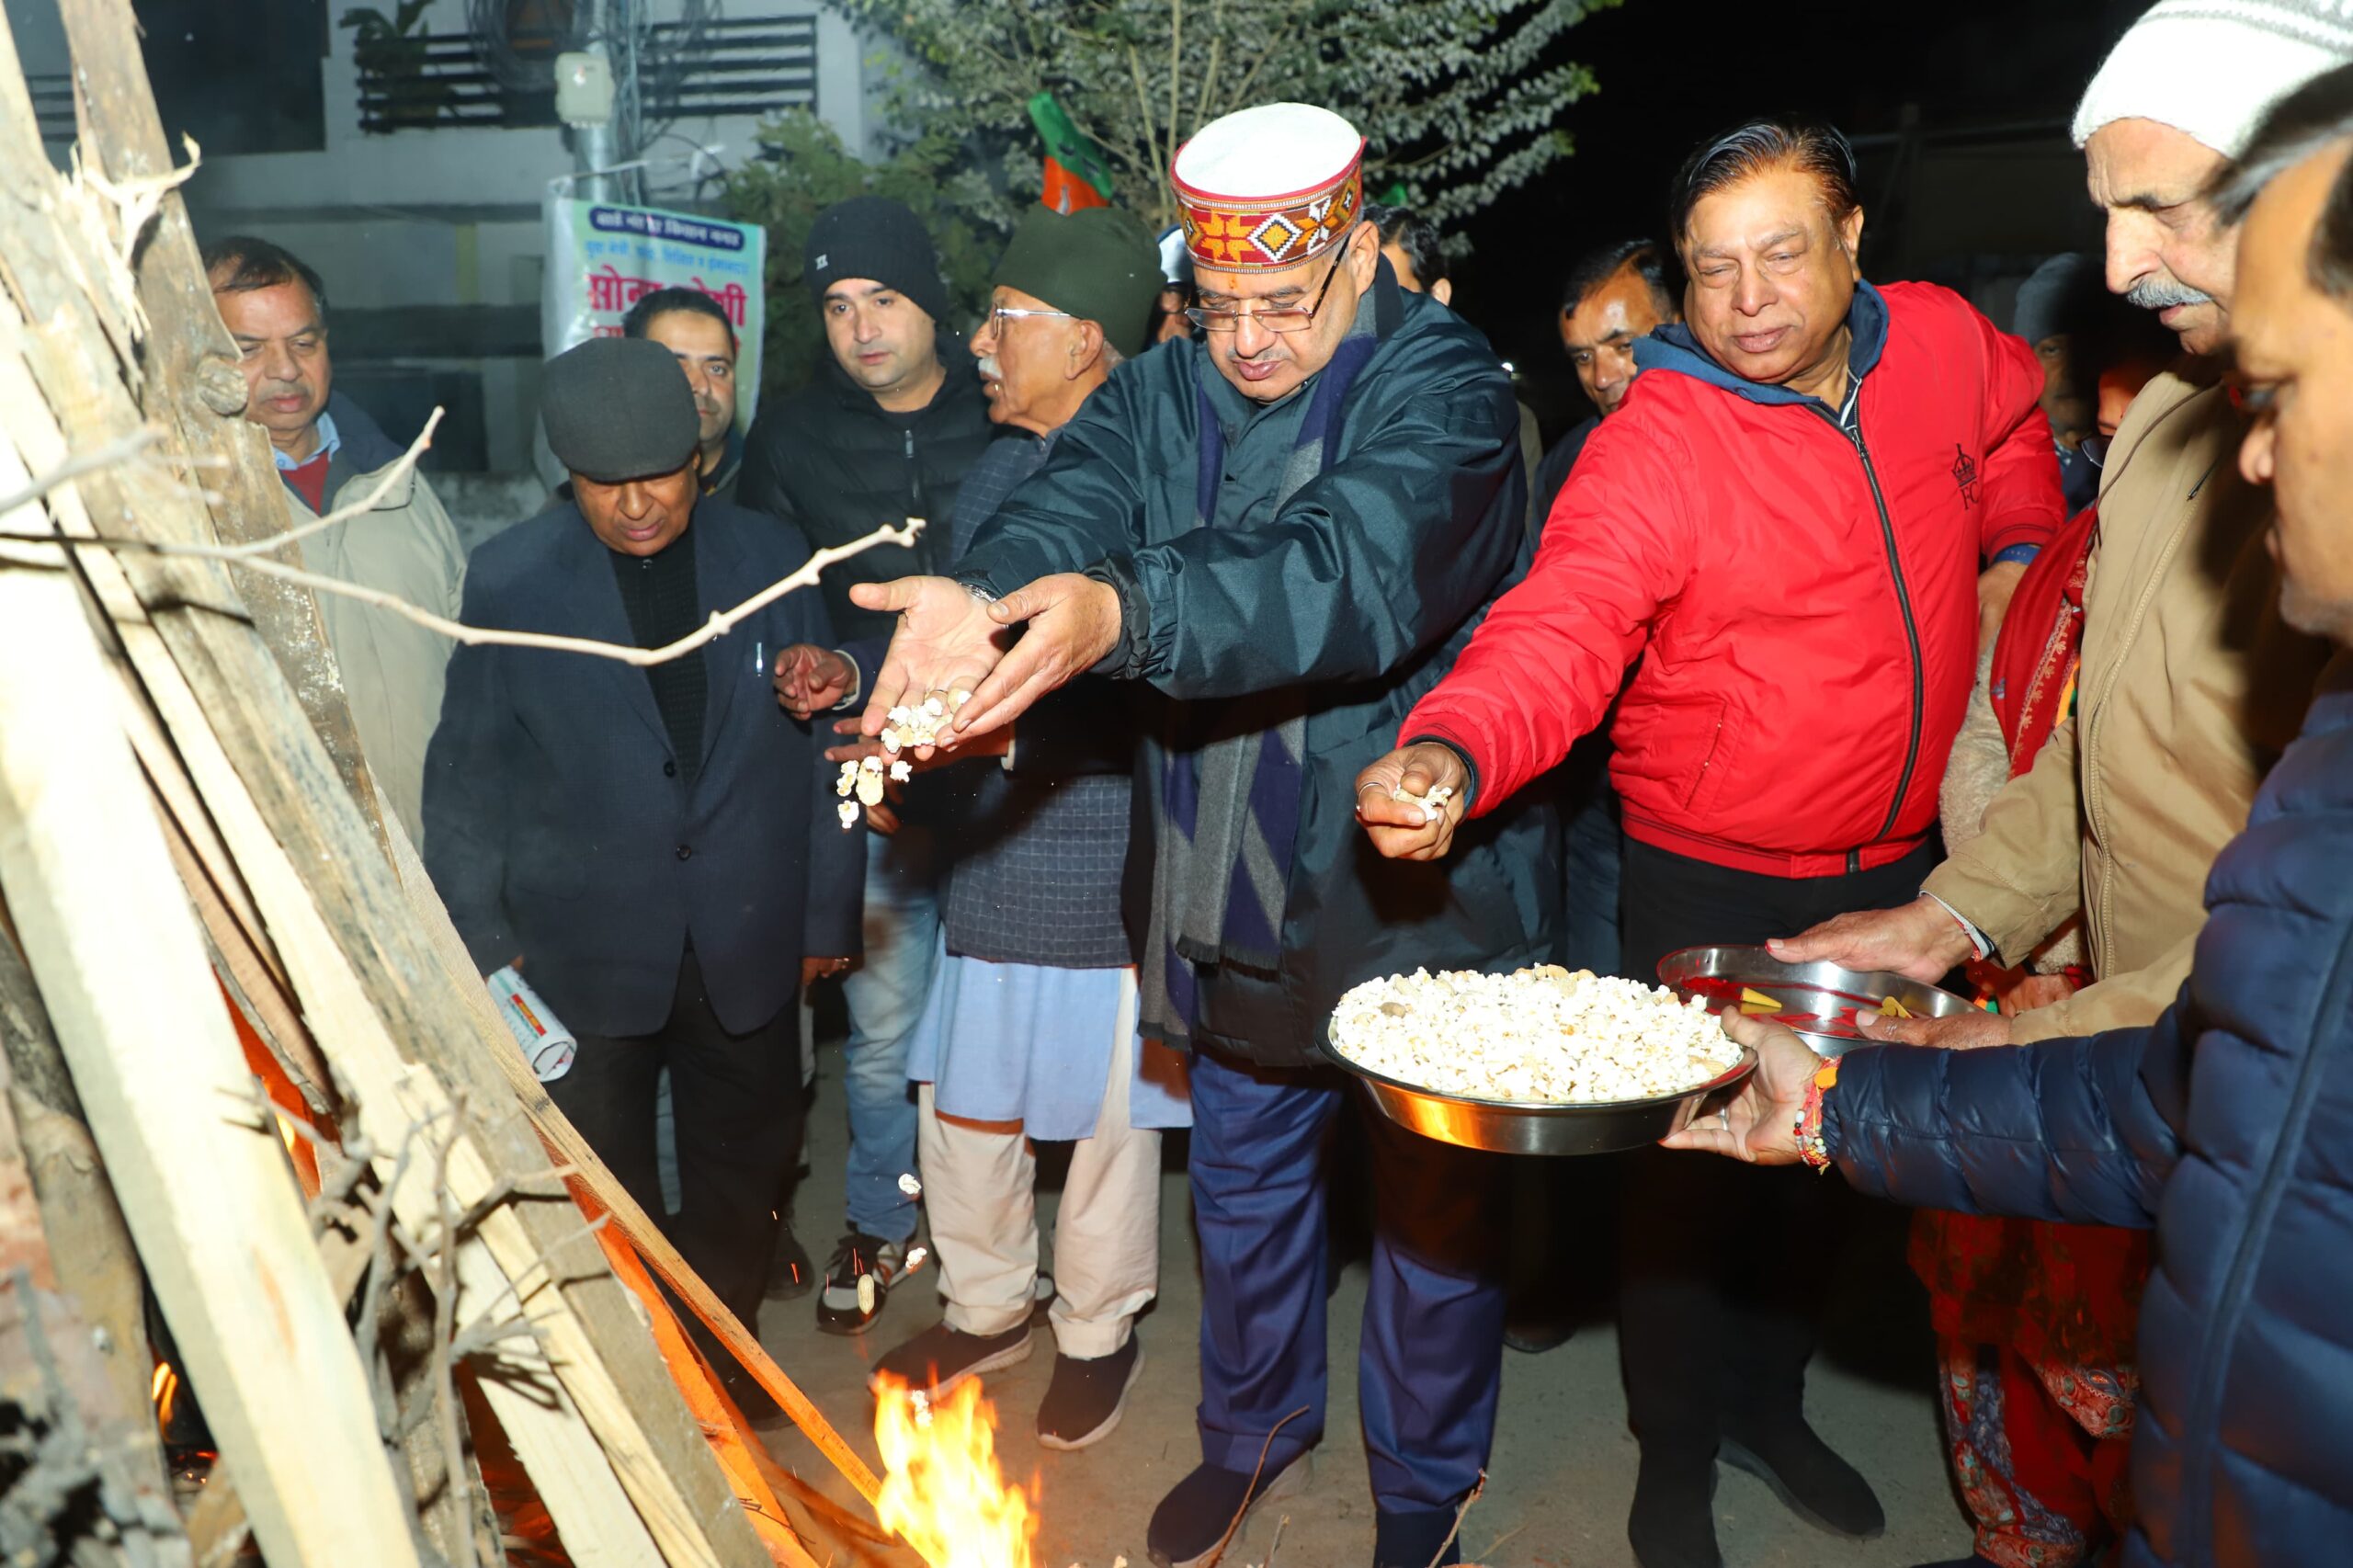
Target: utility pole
{"type": "Point", "coordinates": [586, 100]}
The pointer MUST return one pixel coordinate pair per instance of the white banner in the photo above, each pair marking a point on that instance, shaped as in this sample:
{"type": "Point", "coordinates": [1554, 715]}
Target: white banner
{"type": "Point", "coordinates": [603, 258]}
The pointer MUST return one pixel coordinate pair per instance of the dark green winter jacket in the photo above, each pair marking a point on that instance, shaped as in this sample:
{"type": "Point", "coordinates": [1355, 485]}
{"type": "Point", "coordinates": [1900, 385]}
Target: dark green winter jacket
{"type": "Point", "coordinates": [1347, 603]}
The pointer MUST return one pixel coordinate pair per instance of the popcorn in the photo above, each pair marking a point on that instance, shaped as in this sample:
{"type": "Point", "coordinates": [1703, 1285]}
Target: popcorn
{"type": "Point", "coordinates": [906, 727]}
{"type": "Point", "coordinates": [909, 1185]}
{"type": "Point", "coordinates": [1433, 804]}
{"type": "Point", "coordinates": [849, 813]}
{"type": "Point", "coordinates": [1542, 1036]}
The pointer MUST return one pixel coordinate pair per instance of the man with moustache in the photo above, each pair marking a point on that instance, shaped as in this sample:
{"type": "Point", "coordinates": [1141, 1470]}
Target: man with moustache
{"type": "Point", "coordinates": [331, 455]}
{"type": "Point", "coordinates": [1614, 297]}
{"type": "Point", "coordinates": [2220, 1126]}
{"type": "Point", "coordinates": [1793, 521]}
{"type": "Point", "coordinates": [1278, 533]}
{"type": "Point", "coordinates": [1029, 1033]}
{"type": "Point", "coordinates": [2188, 686]}
{"type": "Point", "coordinates": [887, 432]}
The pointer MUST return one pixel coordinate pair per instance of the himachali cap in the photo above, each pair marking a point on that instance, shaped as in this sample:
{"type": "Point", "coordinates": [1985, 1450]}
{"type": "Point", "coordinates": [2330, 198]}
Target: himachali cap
{"type": "Point", "coordinates": [1267, 188]}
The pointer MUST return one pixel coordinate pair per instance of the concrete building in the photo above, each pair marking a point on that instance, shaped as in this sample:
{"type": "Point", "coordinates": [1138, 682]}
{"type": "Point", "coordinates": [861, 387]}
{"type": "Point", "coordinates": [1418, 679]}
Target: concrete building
{"type": "Point", "coordinates": [411, 172]}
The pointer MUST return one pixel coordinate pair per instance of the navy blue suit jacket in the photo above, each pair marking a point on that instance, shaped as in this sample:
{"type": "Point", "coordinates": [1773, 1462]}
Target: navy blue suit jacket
{"type": "Point", "coordinates": [559, 824]}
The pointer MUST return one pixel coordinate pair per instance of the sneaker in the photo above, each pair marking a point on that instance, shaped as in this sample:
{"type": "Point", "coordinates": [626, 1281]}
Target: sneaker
{"type": "Point", "coordinates": [1087, 1396]}
{"type": "Point", "coordinates": [1207, 1511]}
{"type": "Point", "coordinates": [790, 1274]}
{"type": "Point", "coordinates": [940, 1357]}
{"type": "Point", "coordinates": [1811, 1480]}
{"type": "Point", "coordinates": [858, 1281]}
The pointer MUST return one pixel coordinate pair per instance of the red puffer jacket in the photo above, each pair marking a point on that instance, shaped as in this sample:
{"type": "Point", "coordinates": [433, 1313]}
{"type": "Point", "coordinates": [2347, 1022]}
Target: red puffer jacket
{"type": "Point", "coordinates": [1799, 582]}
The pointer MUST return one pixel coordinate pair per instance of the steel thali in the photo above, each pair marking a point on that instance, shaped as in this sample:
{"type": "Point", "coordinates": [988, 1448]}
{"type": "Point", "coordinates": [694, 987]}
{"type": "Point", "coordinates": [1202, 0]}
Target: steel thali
{"type": "Point", "coordinates": [1820, 999]}
{"type": "Point", "coordinates": [1536, 1127]}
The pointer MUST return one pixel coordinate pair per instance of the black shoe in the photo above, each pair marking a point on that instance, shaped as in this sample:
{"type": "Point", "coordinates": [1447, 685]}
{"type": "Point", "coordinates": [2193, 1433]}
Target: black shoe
{"type": "Point", "coordinates": [1673, 1524]}
{"type": "Point", "coordinates": [1534, 1332]}
{"type": "Point", "coordinates": [1207, 1511]}
{"type": "Point", "coordinates": [858, 1281]}
{"type": "Point", "coordinates": [940, 1357]}
{"type": "Point", "coordinates": [1087, 1396]}
{"type": "Point", "coordinates": [1812, 1483]}
{"type": "Point", "coordinates": [790, 1274]}
{"type": "Point", "coordinates": [1412, 1540]}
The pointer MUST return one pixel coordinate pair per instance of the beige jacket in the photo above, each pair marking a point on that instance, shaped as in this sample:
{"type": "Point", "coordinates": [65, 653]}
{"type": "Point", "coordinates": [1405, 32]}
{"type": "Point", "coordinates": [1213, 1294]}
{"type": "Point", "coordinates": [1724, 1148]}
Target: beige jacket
{"type": "Point", "coordinates": [392, 668]}
{"type": "Point", "coordinates": [2190, 686]}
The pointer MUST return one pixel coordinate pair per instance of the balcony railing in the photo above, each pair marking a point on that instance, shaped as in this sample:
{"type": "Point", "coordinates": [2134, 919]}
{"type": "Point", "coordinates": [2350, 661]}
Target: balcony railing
{"type": "Point", "coordinates": [737, 66]}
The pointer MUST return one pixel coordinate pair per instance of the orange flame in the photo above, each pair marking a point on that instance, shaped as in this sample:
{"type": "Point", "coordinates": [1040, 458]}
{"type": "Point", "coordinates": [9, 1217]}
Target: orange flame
{"type": "Point", "coordinates": [943, 1491]}
{"type": "Point", "coordinates": [163, 1390]}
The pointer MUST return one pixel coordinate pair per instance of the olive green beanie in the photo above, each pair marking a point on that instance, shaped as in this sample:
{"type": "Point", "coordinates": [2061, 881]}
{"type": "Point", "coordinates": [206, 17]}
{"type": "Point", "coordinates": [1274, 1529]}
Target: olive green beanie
{"type": "Point", "coordinates": [1097, 264]}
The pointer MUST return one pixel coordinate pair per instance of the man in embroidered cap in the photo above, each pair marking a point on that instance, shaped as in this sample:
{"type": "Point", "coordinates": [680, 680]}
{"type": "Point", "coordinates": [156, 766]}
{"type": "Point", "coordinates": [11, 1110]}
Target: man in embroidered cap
{"type": "Point", "coordinates": [2189, 686]}
{"type": "Point", "coordinates": [1280, 530]}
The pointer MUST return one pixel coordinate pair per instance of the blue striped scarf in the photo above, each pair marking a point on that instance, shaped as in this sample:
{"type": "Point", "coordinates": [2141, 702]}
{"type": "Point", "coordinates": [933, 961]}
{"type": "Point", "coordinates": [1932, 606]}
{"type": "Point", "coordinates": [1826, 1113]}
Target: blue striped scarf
{"type": "Point", "coordinates": [1229, 809]}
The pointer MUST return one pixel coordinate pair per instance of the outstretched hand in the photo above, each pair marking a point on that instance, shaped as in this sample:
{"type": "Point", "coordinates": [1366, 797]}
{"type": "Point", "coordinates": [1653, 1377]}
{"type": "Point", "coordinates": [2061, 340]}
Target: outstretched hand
{"type": "Point", "coordinates": [1760, 1124]}
{"type": "Point", "coordinates": [1073, 623]}
{"type": "Point", "coordinates": [1403, 830]}
{"type": "Point", "coordinates": [946, 641]}
{"type": "Point", "coordinates": [1917, 940]}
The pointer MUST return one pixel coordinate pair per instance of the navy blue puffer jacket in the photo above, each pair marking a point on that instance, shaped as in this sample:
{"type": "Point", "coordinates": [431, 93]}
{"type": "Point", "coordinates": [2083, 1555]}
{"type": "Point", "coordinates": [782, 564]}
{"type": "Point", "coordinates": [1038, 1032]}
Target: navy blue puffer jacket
{"type": "Point", "coordinates": [2228, 1125]}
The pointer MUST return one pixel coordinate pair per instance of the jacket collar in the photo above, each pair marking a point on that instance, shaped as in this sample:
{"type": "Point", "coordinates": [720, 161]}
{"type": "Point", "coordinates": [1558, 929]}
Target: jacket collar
{"type": "Point", "coordinates": [963, 380]}
{"type": "Point", "coordinates": [1673, 349]}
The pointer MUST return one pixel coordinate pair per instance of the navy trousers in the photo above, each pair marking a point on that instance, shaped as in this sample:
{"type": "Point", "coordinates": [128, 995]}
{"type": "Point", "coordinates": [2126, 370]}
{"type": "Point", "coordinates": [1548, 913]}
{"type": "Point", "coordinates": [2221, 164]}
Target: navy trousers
{"type": "Point", "coordinates": [1432, 1350]}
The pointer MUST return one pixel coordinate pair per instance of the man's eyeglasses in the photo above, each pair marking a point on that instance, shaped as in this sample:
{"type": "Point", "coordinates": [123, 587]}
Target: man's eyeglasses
{"type": "Point", "coordinates": [1274, 318]}
{"type": "Point", "coordinates": [993, 322]}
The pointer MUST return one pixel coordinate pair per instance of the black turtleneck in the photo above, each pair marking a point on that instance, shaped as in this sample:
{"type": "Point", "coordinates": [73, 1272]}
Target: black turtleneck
{"type": "Point", "coordinates": [658, 593]}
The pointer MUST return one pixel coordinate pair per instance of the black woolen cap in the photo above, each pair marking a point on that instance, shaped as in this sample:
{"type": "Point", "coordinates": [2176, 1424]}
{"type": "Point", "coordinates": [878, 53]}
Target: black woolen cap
{"type": "Point", "coordinates": [873, 236]}
{"type": "Point", "coordinates": [619, 408]}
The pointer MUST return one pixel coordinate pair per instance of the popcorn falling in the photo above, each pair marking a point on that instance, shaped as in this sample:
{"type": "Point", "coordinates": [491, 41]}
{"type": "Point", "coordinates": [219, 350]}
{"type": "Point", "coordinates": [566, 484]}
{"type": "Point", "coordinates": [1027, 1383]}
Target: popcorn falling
{"type": "Point", "coordinates": [915, 1260]}
{"type": "Point", "coordinates": [919, 726]}
{"type": "Point", "coordinates": [867, 1294]}
{"type": "Point", "coordinates": [909, 1185]}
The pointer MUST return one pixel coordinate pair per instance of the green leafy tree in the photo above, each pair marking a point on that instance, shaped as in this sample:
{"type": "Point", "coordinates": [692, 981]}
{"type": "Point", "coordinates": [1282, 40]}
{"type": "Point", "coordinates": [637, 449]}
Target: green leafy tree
{"type": "Point", "coordinates": [1459, 99]}
{"type": "Point", "coordinates": [805, 169]}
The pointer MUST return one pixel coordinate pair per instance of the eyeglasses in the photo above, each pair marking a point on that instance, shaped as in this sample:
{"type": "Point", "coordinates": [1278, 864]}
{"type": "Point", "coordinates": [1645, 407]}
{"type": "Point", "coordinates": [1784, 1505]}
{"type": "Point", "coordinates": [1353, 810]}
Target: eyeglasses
{"type": "Point", "coordinates": [993, 322]}
{"type": "Point", "coordinates": [1274, 318]}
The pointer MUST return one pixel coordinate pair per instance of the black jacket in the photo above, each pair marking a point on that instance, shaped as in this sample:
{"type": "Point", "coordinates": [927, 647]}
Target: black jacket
{"type": "Point", "coordinates": [834, 462]}
{"type": "Point", "coordinates": [559, 824]}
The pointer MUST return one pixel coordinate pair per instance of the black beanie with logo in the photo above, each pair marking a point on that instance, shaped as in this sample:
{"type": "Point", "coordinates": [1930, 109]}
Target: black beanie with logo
{"type": "Point", "coordinates": [876, 238]}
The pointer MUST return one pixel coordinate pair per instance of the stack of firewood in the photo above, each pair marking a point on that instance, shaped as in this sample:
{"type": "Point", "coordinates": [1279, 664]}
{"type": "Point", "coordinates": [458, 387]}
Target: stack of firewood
{"type": "Point", "coordinates": [249, 1075]}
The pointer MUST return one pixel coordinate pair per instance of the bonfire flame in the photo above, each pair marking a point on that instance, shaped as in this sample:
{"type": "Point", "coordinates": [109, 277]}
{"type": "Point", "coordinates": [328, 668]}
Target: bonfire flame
{"type": "Point", "coordinates": [943, 1491]}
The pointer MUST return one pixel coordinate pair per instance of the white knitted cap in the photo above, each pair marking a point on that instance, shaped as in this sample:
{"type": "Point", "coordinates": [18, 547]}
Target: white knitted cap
{"type": "Point", "coordinates": [2211, 68]}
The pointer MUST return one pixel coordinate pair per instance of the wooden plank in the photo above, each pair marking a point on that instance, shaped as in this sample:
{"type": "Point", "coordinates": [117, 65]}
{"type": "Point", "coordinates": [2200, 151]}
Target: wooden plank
{"type": "Point", "coordinates": [589, 1170]}
{"type": "Point", "coordinates": [239, 703]}
{"type": "Point", "coordinates": [230, 1256]}
{"type": "Point", "coordinates": [193, 383]}
{"type": "Point", "coordinates": [563, 1454]}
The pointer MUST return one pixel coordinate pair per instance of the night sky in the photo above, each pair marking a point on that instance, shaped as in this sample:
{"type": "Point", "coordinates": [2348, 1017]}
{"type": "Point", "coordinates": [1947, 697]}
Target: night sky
{"type": "Point", "coordinates": [1672, 71]}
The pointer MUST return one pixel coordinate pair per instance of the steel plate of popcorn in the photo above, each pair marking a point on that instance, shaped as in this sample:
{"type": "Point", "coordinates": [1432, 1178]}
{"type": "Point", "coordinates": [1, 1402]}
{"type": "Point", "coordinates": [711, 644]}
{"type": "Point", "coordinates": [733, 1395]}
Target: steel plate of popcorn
{"type": "Point", "coordinates": [1541, 1061]}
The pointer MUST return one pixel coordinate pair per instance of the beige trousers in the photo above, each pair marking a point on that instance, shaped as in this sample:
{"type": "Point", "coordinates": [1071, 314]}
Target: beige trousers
{"type": "Point", "coordinates": [979, 1190]}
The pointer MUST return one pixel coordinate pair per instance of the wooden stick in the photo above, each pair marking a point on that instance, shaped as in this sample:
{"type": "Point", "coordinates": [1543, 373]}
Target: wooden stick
{"type": "Point", "coordinates": [193, 385]}
{"type": "Point", "coordinates": [590, 1170]}
{"type": "Point", "coordinates": [230, 1255]}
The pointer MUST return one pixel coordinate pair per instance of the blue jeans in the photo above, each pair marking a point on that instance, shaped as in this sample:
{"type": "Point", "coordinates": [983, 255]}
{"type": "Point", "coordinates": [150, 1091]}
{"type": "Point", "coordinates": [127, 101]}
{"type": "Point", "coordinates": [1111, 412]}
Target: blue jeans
{"type": "Point", "coordinates": [1430, 1356]}
{"type": "Point", "coordinates": [885, 994]}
